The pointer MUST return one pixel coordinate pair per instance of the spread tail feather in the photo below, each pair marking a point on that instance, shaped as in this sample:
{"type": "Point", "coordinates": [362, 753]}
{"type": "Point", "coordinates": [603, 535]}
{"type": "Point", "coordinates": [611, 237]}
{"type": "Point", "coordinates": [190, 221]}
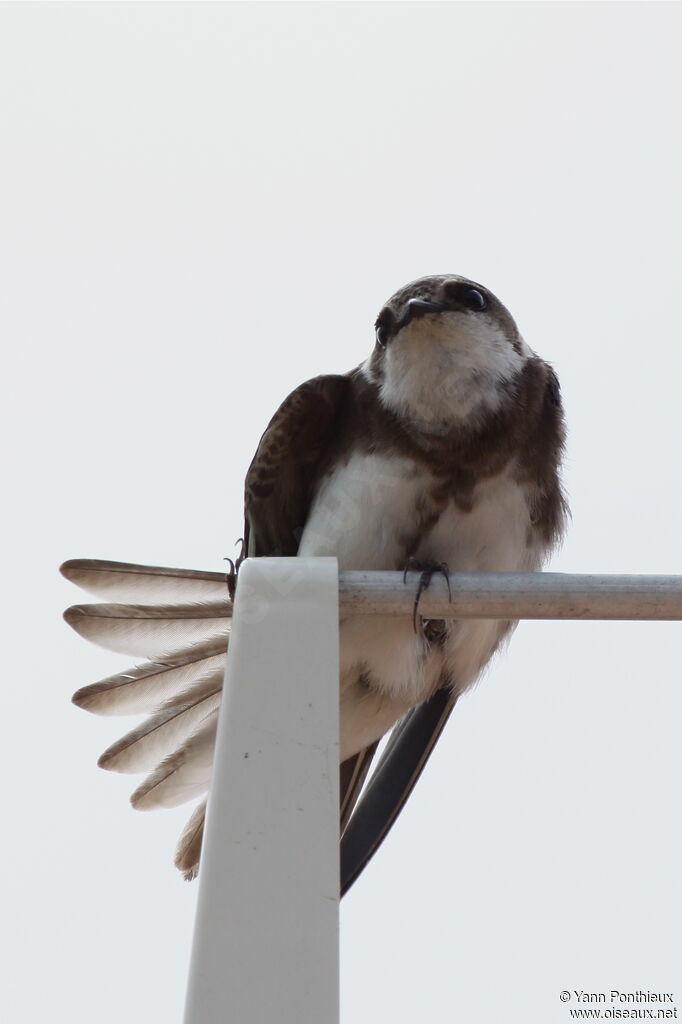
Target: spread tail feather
{"type": "Point", "coordinates": [144, 688]}
{"type": "Point", "coordinates": [184, 774]}
{"type": "Point", "coordinates": [188, 850]}
{"type": "Point", "coordinates": [149, 630]}
{"type": "Point", "coordinates": [144, 747]}
{"type": "Point", "coordinates": [180, 686]}
{"type": "Point", "coordinates": [143, 584]}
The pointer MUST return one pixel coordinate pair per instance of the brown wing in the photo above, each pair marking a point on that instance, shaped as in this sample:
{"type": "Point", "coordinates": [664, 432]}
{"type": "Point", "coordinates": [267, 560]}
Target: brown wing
{"type": "Point", "coordinates": [409, 748]}
{"type": "Point", "coordinates": [293, 452]}
{"type": "Point", "coordinates": [280, 484]}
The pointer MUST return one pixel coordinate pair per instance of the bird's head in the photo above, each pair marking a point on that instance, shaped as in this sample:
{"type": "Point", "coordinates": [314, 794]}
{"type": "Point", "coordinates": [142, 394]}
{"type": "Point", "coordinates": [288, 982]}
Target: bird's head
{"type": "Point", "coordinates": [446, 350]}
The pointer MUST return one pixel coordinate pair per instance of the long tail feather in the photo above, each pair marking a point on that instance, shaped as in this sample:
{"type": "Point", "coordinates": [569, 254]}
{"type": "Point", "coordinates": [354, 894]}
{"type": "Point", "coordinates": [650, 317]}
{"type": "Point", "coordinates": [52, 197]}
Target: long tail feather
{"type": "Point", "coordinates": [352, 775]}
{"type": "Point", "coordinates": [144, 688]}
{"type": "Point", "coordinates": [188, 850]}
{"type": "Point", "coordinates": [144, 584]}
{"type": "Point", "coordinates": [149, 630]}
{"type": "Point", "coordinates": [183, 775]}
{"type": "Point", "coordinates": [143, 747]}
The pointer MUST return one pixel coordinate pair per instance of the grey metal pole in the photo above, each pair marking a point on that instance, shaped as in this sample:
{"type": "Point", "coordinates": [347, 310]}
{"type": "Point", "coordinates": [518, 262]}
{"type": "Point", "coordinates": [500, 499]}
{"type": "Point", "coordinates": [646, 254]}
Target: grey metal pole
{"type": "Point", "coordinates": [509, 595]}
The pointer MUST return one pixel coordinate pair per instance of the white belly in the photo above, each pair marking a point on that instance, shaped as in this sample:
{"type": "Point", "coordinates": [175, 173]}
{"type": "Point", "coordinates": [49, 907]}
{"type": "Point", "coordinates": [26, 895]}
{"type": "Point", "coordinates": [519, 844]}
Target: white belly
{"type": "Point", "coordinates": [363, 513]}
{"type": "Point", "coordinates": [363, 510]}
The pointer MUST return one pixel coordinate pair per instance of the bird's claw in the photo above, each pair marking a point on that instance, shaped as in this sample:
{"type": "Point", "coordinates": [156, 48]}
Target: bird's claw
{"type": "Point", "coordinates": [231, 577]}
{"type": "Point", "coordinates": [233, 568]}
{"type": "Point", "coordinates": [426, 570]}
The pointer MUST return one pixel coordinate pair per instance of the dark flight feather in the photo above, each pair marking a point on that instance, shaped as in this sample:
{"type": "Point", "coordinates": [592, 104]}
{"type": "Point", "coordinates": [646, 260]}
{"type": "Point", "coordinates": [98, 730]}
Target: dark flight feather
{"type": "Point", "coordinates": [283, 475]}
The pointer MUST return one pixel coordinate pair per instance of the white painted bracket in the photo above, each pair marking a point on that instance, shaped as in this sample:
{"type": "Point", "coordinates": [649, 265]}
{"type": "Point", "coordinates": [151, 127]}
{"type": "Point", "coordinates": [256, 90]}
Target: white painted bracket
{"type": "Point", "coordinates": [266, 935]}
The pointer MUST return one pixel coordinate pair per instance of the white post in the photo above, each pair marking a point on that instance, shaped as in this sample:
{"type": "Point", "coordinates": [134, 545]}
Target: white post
{"type": "Point", "coordinates": [266, 935]}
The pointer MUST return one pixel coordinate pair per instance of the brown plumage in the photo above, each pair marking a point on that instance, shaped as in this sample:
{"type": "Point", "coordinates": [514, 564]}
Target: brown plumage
{"type": "Point", "coordinates": [444, 445]}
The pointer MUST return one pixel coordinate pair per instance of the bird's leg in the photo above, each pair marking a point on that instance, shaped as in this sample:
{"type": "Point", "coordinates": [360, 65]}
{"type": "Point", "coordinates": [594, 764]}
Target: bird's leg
{"type": "Point", "coordinates": [426, 570]}
{"type": "Point", "coordinates": [233, 569]}
{"type": "Point", "coordinates": [231, 578]}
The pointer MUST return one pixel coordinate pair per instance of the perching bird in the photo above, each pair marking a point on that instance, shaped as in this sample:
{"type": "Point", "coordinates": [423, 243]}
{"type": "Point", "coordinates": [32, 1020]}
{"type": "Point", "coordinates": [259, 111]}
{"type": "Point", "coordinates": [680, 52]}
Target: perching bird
{"type": "Point", "coordinates": [440, 452]}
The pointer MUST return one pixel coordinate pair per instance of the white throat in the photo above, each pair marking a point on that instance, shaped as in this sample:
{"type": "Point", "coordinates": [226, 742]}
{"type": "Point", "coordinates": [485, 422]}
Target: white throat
{"type": "Point", "coordinates": [445, 370]}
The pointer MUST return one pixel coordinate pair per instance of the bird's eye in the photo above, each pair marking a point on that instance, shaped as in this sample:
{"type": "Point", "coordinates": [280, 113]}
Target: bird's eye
{"type": "Point", "coordinates": [460, 295]}
{"type": "Point", "coordinates": [474, 300]}
{"type": "Point", "coordinates": [382, 333]}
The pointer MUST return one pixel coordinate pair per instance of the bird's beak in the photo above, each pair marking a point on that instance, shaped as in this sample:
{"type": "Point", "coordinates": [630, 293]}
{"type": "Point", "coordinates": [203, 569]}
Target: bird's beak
{"type": "Point", "coordinates": [419, 307]}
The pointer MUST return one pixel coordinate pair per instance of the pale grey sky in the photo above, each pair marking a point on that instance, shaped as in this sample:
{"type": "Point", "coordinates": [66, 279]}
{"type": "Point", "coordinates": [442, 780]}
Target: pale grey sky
{"type": "Point", "coordinates": [204, 205]}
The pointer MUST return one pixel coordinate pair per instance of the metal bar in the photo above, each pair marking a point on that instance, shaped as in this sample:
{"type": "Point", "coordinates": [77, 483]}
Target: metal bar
{"type": "Point", "coordinates": [508, 595]}
{"type": "Point", "coordinates": [266, 935]}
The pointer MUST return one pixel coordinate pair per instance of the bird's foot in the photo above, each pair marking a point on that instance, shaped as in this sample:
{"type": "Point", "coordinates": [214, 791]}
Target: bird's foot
{"type": "Point", "coordinates": [231, 578]}
{"type": "Point", "coordinates": [233, 569]}
{"type": "Point", "coordinates": [426, 569]}
{"type": "Point", "coordinates": [242, 551]}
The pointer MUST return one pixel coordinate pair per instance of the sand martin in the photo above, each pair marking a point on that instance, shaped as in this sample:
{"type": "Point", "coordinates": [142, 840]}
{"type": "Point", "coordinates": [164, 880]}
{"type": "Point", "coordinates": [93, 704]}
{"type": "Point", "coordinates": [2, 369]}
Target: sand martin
{"type": "Point", "coordinates": [440, 452]}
